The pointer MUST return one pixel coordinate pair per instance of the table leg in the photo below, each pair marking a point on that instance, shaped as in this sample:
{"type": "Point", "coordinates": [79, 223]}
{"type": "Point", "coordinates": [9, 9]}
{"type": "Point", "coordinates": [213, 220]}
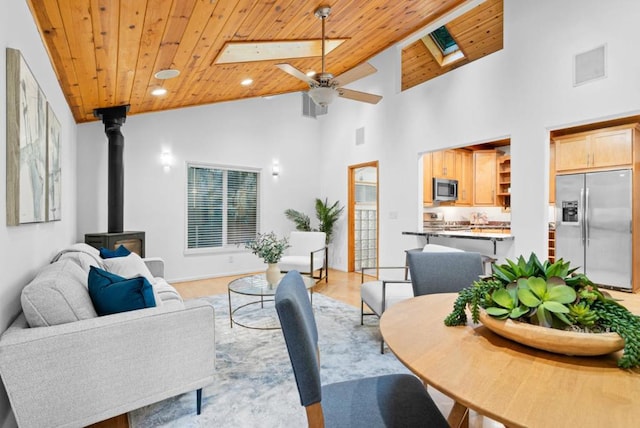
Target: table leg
{"type": "Point", "coordinates": [230, 312]}
{"type": "Point", "coordinates": [459, 416]}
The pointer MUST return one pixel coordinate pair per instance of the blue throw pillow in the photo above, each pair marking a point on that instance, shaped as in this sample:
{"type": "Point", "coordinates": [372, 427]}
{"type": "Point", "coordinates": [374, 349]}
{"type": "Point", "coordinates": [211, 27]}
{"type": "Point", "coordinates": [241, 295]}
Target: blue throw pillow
{"type": "Point", "coordinates": [112, 293]}
{"type": "Point", "coordinates": [121, 251]}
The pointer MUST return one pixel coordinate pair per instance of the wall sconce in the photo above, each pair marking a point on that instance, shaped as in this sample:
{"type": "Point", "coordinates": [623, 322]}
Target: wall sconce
{"type": "Point", "coordinates": [275, 169]}
{"type": "Point", "coordinates": [166, 160]}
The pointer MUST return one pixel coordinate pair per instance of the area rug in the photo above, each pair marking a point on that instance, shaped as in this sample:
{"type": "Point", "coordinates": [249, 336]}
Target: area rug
{"type": "Point", "coordinates": [254, 384]}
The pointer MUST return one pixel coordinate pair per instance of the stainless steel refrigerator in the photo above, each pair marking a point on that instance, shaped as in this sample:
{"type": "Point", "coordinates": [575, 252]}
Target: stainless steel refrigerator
{"type": "Point", "coordinates": [593, 225]}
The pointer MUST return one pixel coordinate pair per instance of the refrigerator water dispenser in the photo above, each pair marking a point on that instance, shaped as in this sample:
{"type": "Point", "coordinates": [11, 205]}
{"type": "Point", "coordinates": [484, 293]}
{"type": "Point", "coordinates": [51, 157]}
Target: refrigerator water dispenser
{"type": "Point", "coordinates": [570, 212]}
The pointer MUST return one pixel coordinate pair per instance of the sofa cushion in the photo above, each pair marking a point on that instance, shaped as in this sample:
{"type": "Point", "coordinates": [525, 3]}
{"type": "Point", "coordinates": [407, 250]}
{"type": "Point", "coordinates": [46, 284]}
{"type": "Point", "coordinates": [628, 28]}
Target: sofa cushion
{"type": "Point", "coordinates": [121, 251]}
{"type": "Point", "coordinates": [128, 267]}
{"type": "Point", "coordinates": [57, 295]}
{"type": "Point", "coordinates": [112, 293]}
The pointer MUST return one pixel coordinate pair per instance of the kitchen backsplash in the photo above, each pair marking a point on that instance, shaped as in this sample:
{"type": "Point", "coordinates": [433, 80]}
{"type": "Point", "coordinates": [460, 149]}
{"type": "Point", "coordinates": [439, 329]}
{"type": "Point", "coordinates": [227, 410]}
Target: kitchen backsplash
{"type": "Point", "coordinates": [467, 214]}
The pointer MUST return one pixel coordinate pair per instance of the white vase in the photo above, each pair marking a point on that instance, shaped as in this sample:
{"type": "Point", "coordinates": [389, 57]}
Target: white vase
{"type": "Point", "coordinates": [273, 274]}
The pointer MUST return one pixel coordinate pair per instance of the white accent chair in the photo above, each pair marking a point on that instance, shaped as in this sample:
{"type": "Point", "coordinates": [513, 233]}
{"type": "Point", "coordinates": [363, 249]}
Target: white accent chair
{"type": "Point", "coordinates": [390, 286]}
{"type": "Point", "coordinates": [307, 254]}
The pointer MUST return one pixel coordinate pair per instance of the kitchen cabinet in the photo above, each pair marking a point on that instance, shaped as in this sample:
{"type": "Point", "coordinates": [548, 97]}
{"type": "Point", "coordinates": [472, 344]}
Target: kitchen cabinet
{"type": "Point", "coordinates": [444, 164]}
{"type": "Point", "coordinates": [503, 185]}
{"type": "Point", "coordinates": [484, 177]}
{"type": "Point", "coordinates": [464, 175]}
{"type": "Point", "coordinates": [427, 182]}
{"type": "Point", "coordinates": [600, 149]}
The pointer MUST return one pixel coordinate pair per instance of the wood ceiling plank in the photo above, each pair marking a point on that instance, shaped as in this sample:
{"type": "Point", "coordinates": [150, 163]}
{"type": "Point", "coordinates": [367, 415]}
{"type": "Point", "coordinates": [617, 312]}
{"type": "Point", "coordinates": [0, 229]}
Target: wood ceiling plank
{"type": "Point", "coordinates": [174, 31]}
{"type": "Point", "coordinates": [76, 18]}
{"type": "Point", "coordinates": [105, 23]}
{"type": "Point", "coordinates": [51, 26]}
{"type": "Point", "coordinates": [155, 21]}
{"type": "Point", "coordinates": [220, 27]}
{"type": "Point", "coordinates": [132, 15]}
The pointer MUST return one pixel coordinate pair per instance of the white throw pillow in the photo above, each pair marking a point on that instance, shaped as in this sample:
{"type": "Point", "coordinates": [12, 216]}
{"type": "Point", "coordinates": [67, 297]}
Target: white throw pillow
{"type": "Point", "coordinates": [128, 267]}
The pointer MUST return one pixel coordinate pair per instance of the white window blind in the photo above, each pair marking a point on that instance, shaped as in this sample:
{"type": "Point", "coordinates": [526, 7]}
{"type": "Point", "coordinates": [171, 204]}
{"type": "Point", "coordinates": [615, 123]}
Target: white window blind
{"type": "Point", "coordinates": [222, 206]}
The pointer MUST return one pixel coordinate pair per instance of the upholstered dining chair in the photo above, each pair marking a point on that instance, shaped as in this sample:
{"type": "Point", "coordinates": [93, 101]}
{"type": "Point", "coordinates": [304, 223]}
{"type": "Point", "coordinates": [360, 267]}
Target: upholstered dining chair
{"type": "Point", "coordinates": [390, 285]}
{"type": "Point", "coordinates": [307, 253]}
{"type": "Point", "coordinates": [434, 272]}
{"type": "Point", "coordinates": [397, 400]}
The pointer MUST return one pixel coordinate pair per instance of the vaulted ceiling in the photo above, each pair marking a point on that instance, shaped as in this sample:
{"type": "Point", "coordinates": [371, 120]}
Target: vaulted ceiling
{"type": "Point", "coordinates": [106, 52]}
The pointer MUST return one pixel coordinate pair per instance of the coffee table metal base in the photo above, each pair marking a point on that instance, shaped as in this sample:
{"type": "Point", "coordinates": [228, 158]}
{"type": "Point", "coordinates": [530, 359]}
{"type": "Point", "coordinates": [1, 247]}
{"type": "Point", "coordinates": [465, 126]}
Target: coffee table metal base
{"type": "Point", "coordinates": [257, 286]}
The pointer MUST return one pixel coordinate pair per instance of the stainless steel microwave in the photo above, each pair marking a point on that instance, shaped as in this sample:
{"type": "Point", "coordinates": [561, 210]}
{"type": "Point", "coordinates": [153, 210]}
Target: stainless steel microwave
{"type": "Point", "coordinates": [445, 189]}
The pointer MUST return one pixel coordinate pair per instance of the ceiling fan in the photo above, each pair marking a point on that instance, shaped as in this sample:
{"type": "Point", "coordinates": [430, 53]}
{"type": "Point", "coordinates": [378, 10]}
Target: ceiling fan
{"type": "Point", "coordinates": [323, 87]}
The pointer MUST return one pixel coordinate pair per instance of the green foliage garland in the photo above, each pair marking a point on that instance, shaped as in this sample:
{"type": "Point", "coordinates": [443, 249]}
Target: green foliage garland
{"type": "Point", "coordinates": [510, 293]}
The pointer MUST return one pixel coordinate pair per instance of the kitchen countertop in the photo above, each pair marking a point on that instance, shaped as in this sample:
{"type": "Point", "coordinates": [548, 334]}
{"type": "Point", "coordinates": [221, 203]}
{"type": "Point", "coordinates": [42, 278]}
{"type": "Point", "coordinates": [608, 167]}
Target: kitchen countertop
{"type": "Point", "coordinates": [466, 234]}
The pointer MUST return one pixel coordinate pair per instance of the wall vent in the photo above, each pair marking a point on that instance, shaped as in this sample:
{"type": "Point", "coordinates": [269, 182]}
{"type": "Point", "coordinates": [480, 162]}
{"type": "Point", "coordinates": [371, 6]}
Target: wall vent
{"type": "Point", "coordinates": [590, 65]}
{"type": "Point", "coordinates": [311, 109]}
{"type": "Point", "coordinates": [359, 136]}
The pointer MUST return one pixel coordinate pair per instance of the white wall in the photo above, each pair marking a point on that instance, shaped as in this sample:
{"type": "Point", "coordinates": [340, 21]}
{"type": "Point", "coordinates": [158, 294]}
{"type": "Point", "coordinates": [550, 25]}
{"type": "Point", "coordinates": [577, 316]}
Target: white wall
{"type": "Point", "coordinates": [521, 92]}
{"type": "Point", "coordinates": [26, 248]}
{"type": "Point", "coordinates": [250, 133]}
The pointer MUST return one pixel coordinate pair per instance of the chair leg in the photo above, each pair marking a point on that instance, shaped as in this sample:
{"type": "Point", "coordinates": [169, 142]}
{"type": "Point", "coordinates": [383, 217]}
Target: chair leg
{"type": "Point", "coordinates": [361, 312]}
{"type": "Point", "coordinates": [198, 401]}
{"type": "Point", "coordinates": [382, 346]}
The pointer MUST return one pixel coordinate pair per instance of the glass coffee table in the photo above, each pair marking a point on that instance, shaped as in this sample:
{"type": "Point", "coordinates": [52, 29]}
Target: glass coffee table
{"type": "Point", "coordinates": [260, 293]}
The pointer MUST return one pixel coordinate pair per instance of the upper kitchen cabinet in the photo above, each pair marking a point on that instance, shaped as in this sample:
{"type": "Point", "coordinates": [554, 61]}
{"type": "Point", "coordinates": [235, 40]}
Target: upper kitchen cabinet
{"type": "Point", "coordinates": [602, 149]}
{"type": "Point", "coordinates": [484, 177]}
{"type": "Point", "coordinates": [444, 164]}
{"type": "Point", "coordinates": [464, 175]}
{"type": "Point", "coordinates": [427, 182]}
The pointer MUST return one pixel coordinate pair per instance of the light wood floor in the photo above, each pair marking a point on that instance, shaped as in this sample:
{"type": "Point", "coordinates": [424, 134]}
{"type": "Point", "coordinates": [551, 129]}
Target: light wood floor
{"type": "Point", "coordinates": [341, 286]}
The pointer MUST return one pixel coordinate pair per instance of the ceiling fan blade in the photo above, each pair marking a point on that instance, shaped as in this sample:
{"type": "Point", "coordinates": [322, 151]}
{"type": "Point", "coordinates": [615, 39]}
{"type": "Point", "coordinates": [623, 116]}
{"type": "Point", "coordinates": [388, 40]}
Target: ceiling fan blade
{"type": "Point", "coordinates": [290, 69]}
{"type": "Point", "coordinates": [357, 72]}
{"type": "Point", "coordinates": [359, 96]}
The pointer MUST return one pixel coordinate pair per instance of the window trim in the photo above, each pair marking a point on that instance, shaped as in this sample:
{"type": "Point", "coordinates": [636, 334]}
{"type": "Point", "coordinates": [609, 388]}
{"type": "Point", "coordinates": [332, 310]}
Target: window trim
{"type": "Point", "coordinates": [228, 248]}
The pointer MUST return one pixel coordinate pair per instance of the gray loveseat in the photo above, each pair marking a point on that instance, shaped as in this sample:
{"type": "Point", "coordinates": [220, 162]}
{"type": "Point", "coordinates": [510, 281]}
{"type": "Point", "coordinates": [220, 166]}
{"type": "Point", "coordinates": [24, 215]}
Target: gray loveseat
{"type": "Point", "coordinates": [62, 365]}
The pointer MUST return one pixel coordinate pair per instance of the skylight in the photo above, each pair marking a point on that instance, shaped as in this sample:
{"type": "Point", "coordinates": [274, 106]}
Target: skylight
{"type": "Point", "coordinates": [443, 46]}
{"type": "Point", "coordinates": [444, 41]}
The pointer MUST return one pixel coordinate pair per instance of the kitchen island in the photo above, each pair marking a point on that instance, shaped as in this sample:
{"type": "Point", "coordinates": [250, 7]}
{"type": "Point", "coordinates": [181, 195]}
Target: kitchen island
{"type": "Point", "coordinates": [493, 237]}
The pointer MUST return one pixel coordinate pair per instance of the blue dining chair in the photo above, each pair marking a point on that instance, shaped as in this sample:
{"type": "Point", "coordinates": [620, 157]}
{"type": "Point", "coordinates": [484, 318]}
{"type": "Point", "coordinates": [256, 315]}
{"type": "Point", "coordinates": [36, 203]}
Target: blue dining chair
{"type": "Point", "coordinates": [433, 273]}
{"type": "Point", "coordinates": [398, 400]}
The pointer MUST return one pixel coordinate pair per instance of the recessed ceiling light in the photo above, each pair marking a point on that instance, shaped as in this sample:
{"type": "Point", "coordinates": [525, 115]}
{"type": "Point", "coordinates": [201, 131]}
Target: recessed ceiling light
{"type": "Point", "coordinates": [246, 82]}
{"type": "Point", "coordinates": [158, 92]}
{"type": "Point", "coordinates": [167, 74]}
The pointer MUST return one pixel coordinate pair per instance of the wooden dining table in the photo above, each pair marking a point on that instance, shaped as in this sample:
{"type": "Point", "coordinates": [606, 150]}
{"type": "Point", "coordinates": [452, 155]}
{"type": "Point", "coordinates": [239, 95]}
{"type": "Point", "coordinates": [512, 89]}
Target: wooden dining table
{"type": "Point", "coordinates": [511, 383]}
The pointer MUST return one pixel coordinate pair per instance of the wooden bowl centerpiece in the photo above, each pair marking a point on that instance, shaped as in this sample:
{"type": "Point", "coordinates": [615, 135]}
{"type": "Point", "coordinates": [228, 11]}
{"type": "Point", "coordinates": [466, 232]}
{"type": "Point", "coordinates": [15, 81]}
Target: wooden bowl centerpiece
{"type": "Point", "coordinates": [554, 340]}
{"type": "Point", "coordinates": [550, 307]}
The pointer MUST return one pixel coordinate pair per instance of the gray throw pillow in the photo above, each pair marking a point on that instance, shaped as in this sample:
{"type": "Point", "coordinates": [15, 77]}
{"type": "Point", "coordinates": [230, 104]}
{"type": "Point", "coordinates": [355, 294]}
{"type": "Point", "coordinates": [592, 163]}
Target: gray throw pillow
{"type": "Point", "coordinates": [57, 295]}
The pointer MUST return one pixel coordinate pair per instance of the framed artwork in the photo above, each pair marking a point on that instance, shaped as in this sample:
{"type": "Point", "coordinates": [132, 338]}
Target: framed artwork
{"type": "Point", "coordinates": [54, 170]}
{"type": "Point", "coordinates": [26, 144]}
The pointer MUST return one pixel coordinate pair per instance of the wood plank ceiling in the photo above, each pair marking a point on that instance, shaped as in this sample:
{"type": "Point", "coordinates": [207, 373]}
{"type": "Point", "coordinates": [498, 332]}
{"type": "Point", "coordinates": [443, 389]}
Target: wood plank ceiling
{"type": "Point", "coordinates": [105, 52]}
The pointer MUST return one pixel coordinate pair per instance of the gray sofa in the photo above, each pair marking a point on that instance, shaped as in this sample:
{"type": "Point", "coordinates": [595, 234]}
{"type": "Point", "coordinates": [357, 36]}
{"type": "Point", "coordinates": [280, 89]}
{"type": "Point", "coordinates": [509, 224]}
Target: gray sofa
{"type": "Point", "coordinates": [64, 366]}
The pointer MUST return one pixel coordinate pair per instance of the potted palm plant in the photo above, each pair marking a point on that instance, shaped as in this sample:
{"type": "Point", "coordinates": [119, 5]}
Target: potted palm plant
{"type": "Point", "coordinates": [326, 214]}
{"type": "Point", "coordinates": [549, 296]}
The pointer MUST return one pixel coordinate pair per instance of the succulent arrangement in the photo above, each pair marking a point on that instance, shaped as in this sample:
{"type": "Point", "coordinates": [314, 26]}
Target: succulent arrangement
{"type": "Point", "coordinates": [549, 295]}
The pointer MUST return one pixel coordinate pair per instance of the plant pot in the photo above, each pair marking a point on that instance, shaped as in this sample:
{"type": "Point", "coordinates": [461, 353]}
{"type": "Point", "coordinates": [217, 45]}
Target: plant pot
{"type": "Point", "coordinates": [273, 274]}
{"type": "Point", "coordinates": [554, 340]}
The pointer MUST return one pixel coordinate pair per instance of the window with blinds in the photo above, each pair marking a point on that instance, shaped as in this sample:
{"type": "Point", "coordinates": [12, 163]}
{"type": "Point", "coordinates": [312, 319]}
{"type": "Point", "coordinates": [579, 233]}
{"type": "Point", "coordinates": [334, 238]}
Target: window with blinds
{"type": "Point", "coordinates": [222, 206]}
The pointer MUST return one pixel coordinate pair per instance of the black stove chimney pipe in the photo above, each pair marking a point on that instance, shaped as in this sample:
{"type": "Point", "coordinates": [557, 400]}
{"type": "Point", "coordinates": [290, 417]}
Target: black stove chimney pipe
{"type": "Point", "coordinates": [113, 118]}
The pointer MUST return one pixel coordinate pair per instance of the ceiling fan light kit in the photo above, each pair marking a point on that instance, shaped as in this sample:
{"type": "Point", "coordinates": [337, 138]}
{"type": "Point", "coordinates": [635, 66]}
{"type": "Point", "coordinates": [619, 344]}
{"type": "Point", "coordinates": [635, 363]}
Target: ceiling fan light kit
{"type": "Point", "coordinates": [322, 96]}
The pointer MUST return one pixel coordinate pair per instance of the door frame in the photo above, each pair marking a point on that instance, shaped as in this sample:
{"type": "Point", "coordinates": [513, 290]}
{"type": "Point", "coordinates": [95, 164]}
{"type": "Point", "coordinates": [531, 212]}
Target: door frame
{"type": "Point", "coordinates": [351, 211]}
